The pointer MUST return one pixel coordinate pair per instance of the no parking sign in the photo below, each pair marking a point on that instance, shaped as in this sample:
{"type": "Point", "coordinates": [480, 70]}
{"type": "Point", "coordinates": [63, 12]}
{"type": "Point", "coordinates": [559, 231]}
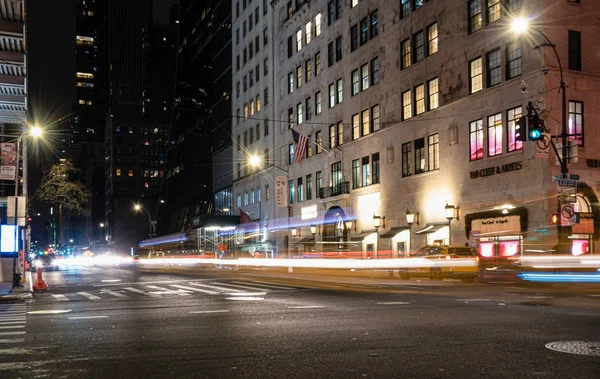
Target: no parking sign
{"type": "Point", "coordinates": [567, 214]}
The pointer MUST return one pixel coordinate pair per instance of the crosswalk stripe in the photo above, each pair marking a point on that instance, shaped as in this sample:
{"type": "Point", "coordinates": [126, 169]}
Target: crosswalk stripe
{"type": "Point", "coordinates": [88, 295]}
{"type": "Point", "coordinates": [179, 292]}
{"type": "Point", "coordinates": [12, 313]}
{"type": "Point", "coordinates": [215, 287]}
{"type": "Point", "coordinates": [13, 340]}
{"type": "Point", "coordinates": [11, 333]}
{"type": "Point", "coordinates": [244, 287]}
{"type": "Point", "coordinates": [117, 294]}
{"type": "Point", "coordinates": [268, 285]}
{"type": "Point", "coordinates": [12, 319]}
{"type": "Point", "coordinates": [60, 297]}
{"type": "Point", "coordinates": [12, 327]}
{"type": "Point", "coordinates": [13, 322]}
{"type": "Point", "coordinates": [195, 289]}
{"type": "Point", "coordinates": [135, 290]}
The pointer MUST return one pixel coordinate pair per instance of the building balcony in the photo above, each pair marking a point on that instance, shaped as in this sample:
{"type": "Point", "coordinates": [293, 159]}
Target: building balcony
{"type": "Point", "coordinates": [340, 189]}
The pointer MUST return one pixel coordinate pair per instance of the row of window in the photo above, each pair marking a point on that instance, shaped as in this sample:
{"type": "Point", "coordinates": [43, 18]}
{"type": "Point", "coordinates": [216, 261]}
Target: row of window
{"type": "Point", "coordinates": [475, 9]}
{"type": "Point", "coordinates": [305, 35]}
{"type": "Point", "coordinates": [248, 2]}
{"type": "Point", "coordinates": [145, 173]}
{"type": "Point", "coordinates": [304, 73]}
{"type": "Point", "coordinates": [251, 77]}
{"type": "Point", "coordinates": [407, 5]}
{"type": "Point", "coordinates": [334, 11]}
{"type": "Point", "coordinates": [250, 133]}
{"type": "Point", "coordinates": [416, 50]}
{"type": "Point", "coordinates": [253, 19]}
{"type": "Point", "coordinates": [299, 193]}
{"type": "Point", "coordinates": [252, 49]}
{"type": "Point", "coordinates": [493, 64]}
{"type": "Point", "coordinates": [418, 158]}
{"type": "Point", "coordinates": [360, 77]}
{"type": "Point", "coordinates": [251, 197]}
{"type": "Point", "coordinates": [145, 131]}
{"type": "Point", "coordinates": [367, 28]}
{"type": "Point", "coordinates": [254, 106]}
{"type": "Point", "coordinates": [421, 99]}
{"type": "Point", "coordinates": [365, 122]}
{"type": "Point", "coordinates": [365, 171]}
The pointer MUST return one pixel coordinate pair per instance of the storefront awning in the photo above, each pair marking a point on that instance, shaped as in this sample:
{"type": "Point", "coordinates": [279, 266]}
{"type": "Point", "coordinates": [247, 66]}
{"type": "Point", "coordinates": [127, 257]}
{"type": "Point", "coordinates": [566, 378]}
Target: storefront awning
{"type": "Point", "coordinates": [361, 236]}
{"type": "Point", "coordinates": [431, 228]}
{"type": "Point", "coordinates": [395, 230]}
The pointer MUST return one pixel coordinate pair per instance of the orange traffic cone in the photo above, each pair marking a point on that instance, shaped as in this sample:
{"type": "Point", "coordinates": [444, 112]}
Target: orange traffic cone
{"type": "Point", "coordinates": [39, 284]}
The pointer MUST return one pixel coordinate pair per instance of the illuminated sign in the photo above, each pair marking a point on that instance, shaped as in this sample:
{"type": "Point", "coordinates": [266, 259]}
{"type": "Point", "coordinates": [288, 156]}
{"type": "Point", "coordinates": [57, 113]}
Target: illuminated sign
{"type": "Point", "coordinates": [309, 212]}
{"type": "Point", "coordinates": [8, 239]}
{"type": "Point", "coordinates": [497, 225]}
{"type": "Point", "coordinates": [515, 166]}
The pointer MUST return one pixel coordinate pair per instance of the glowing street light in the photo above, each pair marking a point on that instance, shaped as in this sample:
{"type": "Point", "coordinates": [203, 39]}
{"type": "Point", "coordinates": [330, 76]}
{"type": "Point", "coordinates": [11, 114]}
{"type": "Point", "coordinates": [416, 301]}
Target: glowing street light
{"type": "Point", "coordinates": [137, 207]}
{"type": "Point", "coordinates": [254, 161]}
{"type": "Point", "coordinates": [520, 25]}
{"type": "Point", "coordinates": [102, 225]}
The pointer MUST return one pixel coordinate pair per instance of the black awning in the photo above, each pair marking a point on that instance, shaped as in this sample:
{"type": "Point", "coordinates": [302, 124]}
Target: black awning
{"type": "Point", "coordinates": [431, 228]}
{"type": "Point", "coordinates": [395, 230]}
{"type": "Point", "coordinates": [306, 240]}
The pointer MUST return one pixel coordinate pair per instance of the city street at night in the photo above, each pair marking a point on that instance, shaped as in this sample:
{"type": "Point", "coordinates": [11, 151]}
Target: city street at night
{"type": "Point", "coordinates": [220, 323]}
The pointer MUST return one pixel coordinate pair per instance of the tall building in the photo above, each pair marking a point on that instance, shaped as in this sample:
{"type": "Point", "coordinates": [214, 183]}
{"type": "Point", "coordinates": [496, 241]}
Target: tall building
{"type": "Point", "coordinates": [254, 124]}
{"type": "Point", "coordinates": [201, 117]}
{"type": "Point", "coordinates": [137, 125]}
{"type": "Point", "coordinates": [413, 108]}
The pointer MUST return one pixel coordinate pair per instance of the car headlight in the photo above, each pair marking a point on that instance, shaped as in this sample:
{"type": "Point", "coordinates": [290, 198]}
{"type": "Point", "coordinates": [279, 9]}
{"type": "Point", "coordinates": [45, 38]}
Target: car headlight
{"type": "Point", "coordinates": [37, 263]}
{"type": "Point", "coordinates": [54, 263]}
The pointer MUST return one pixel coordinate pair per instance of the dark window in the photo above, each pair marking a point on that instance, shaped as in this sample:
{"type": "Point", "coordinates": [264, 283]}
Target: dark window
{"type": "Point", "coordinates": [330, 54]}
{"type": "Point", "coordinates": [290, 154]}
{"type": "Point", "coordinates": [319, 183]}
{"type": "Point", "coordinates": [417, 4]}
{"type": "Point", "coordinates": [290, 46]}
{"type": "Point", "coordinates": [266, 126]}
{"type": "Point", "coordinates": [354, 37]}
{"type": "Point", "coordinates": [355, 173]}
{"type": "Point", "coordinates": [292, 192]}
{"type": "Point", "coordinates": [331, 12]}
{"type": "Point", "coordinates": [407, 165]}
{"type": "Point", "coordinates": [308, 187]}
{"type": "Point", "coordinates": [374, 24]}
{"type": "Point", "coordinates": [366, 174]}
{"type": "Point", "coordinates": [513, 59]}
{"type": "Point", "coordinates": [574, 50]}
{"type": "Point", "coordinates": [336, 177]}
{"type": "Point", "coordinates": [419, 44]}
{"type": "Point", "coordinates": [364, 31]}
{"type": "Point", "coordinates": [374, 70]}
{"type": "Point", "coordinates": [494, 69]}
{"type": "Point", "coordinates": [338, 49]}
{"type": "Point", "coordinates": [404, 8]}
{"type": "Point", "coordinates": [375, 168]}
{"type": "Point", "coordinates": [475, 18]}
{"type": "Point", "coordinates": [419, 155]}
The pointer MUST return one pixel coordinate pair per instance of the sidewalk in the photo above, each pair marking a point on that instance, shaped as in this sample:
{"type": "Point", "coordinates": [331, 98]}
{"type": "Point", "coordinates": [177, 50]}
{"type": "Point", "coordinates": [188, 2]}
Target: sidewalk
{"type": "Point", "coordinates": [17, 293]}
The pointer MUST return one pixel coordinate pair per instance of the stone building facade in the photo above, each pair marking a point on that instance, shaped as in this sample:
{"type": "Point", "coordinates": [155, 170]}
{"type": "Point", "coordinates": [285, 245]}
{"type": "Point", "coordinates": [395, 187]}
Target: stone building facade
{"type": "Point", "coordinates": [415, 106]}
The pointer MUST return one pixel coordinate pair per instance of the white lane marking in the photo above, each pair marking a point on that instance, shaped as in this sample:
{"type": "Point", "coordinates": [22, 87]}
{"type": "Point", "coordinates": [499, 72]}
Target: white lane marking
{"type": "Point", "coordinates": [538, 297]}
{"type": "Point", "coordinates": [60, 297]}
{"type": "Point", "coordinates": [246, 294]}
{"type": "Point", "coordinates": [111, 280]}
{"type": "Point", "coordinates": [11, 333]}
{"type": "Point", "coordinates": [12, 327]}
{"type": "Point", "coordinates": [245, 298]}
{"type": "Point", "coordinates": [166, 291]}
{"type": "Point", "coordinates": [243, 287]}
{"type": "Point", "coordinates": [49, 312]}
{"type": "Point", "coordinates": [394, 303]}
{"type": "Point", "coordinates": [13, 322]}
{"type": "Point", "coordinates": [306, 306]}
{"type": "Point", "coordinates": [214, 287]}
{"type": "Point", "coordinates": [85, 317]}
{"type": "Point", "coordinates": [117, 294]}
{"type": "Point", "coordinates": [138, 283]}
{"type": "Point", "coordinates": [12, 307]}
{"type": "Point", "coordinates": [135, 290]}
{"type": "Point", "coordinates": [215, 311]}
{"type": "Point", "coordinates": [268, 285]}
{"type": "Point", "coordinates": [194, 289]}
{"type": "Point", "coordinates": [89, 295]}
{"type": "Point", "coordinates": [14, 340]}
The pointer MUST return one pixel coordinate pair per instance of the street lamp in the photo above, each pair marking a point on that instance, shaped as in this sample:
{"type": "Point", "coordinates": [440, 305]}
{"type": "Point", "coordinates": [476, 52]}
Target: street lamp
{"type": "Point", "coordinates": [313, 230]}
{"type": "Point", "coordinates": [521, 25]}
{"type": "Point", "coordinates": [410, 220]}
{"type": "Point", "coordinates": [451, 214]}
{"type": "Point", "coordinates": [102, 225]}
{"type": "Point", "coordinates": [138, 207]}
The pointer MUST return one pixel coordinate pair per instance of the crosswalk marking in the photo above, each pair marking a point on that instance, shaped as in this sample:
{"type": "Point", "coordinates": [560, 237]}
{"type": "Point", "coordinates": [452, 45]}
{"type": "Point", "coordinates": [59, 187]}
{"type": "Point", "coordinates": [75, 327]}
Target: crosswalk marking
{"type": "Point", "coordinates": [215, 287]}
{"type": "Point", "coordinates": [11, 333]}
{"type": "Point", "coordinates": [167, 291]}
{"type": "Point", "coordinates": [306, 307]}
{"type": "Point", "coordinates": [88, 295]}
{"type": "Point", "coordinates": [12, 327]}
{"type": "Point", "coordinates": [60, 297]}
{"type": "Point", "coordinates": [135, 290]}
{"type": "Point", "coordinates": [268, 285]}
{"type": "Point", "coordinates": [12, 340]}
{"type": "Point", "coordinates": [194, 289]}
{"type": "Point", "coordinates": [116, 294]}
{"type": "Point", "coordinates": [22, 318]}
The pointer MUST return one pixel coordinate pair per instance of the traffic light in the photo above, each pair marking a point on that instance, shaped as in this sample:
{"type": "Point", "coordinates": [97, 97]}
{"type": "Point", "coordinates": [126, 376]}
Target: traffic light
{"type": "Point", "coordinates": [576, 217]}
{"type": "Point", "coordinates": [521, 129]}
{"type": "Point", "coordinates": [536, 128]}
{"type": "Point", "coordinates": [555, 218]}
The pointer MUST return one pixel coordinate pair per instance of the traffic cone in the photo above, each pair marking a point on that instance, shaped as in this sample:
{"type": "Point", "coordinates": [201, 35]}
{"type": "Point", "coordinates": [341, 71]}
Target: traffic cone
{"type": "Point", "coordinates": [39, 284]}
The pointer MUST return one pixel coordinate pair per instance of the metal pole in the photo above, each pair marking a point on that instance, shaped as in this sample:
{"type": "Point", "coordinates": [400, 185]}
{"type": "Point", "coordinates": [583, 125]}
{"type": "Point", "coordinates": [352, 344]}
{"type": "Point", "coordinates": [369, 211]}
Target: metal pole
{"type": "Point", "coordinates": [450, 232]}
{"type": "Point", "coordinates": [27, 231]}
{"type": "Point", "coordinates": [17, 174]}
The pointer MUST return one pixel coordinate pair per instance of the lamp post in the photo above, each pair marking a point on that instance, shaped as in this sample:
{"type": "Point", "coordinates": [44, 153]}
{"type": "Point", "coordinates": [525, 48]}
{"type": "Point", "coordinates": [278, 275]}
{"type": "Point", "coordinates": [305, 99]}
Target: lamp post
{"type": "Point", "coordinates": [313, 230]}
{"type": "Point", "coordinates": [521, 25]}
{"type": "Point", "coordinates": [377, 222]}
{"type": "Point", "coordinates": [410, 220]}
{"type": "Point", "coordinates": [451, 214]}
{"type": "Point", "coordinates": [137, 208]}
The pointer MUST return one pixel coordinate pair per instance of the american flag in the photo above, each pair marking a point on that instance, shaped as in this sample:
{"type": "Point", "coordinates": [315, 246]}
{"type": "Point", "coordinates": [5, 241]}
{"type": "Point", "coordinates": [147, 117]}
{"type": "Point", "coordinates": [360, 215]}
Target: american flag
{"type": "Point", "coordinates": [300, 143]}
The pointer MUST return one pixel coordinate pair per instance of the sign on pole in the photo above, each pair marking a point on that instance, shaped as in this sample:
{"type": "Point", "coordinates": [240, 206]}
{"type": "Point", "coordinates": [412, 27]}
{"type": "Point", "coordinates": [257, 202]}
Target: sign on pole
{"type": "Point", "coordinates": [542, 147]}
{"type": "Point", "coordinates": [15, 210]}
{"type": "Point", "coordinates": [567, 212]}
{"type": "Point", "coordinates": [281, 191]}
{"type": "Point", "coordinates": [8, 161]}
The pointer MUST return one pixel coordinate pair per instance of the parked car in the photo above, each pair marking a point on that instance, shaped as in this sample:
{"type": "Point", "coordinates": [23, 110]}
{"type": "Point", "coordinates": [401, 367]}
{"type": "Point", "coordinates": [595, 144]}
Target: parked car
{"type": "Point", "coordinates": [46, 262]}
{"type": "Point", "coordinates": [443, 261]}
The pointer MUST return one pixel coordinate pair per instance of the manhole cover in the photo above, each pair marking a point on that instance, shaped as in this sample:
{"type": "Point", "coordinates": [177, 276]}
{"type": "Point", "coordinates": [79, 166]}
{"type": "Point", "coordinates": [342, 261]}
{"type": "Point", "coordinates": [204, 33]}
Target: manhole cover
{"type": "Point", "coordinates": [575, 347]}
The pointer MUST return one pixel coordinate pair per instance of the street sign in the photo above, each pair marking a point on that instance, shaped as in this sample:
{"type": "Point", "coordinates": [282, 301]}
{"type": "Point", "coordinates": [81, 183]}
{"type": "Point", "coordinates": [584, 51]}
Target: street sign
{"type": "Point", "coordinates": [567, 190]}
{"type": "Point", "coordinates": [585, 225]}
{"type": "Point", "coordinates": [566, 199]}
{"type": "Point", "coordinates": [567, 183]}
{"type": "Point", "coordinates": [574, 177]}
{"type": "Point", "coordinates": [556, 178]}
{"type": "Point", "coordinates": [566, 214]}
{"type": "Point", "coordinates": [542, 146]}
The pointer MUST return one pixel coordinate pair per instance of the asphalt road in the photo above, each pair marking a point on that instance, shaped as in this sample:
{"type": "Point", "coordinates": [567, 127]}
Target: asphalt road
{"type": "Point", "coordinates": [125, 323]}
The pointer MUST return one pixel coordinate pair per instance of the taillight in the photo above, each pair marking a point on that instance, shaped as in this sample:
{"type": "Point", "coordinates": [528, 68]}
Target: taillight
{"type": "Point", "coordinates": [448, 257]}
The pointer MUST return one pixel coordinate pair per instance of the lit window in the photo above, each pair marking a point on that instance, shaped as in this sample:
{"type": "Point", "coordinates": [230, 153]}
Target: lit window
{"type": "Point", "coordinates": [364, 73]}
{"type": "Point", "coordinates": [257, 103]}
{"type": "Point", "coordinates": [308, 32]}
{"type": "Point", "coordinates": [493, 10]}
{"type": "Point", "coordinates": [354, 3]}
{"type": "Point", "coordinates": [130, 173]}
{"type": "Point", "coordinates": [476, 140]}
{"type": "Point", "coordinates": [576, 121]}
{"type": "Point", "coordinates": [318, 24]}
{"type": "Point", "coordinates": [84, 75]}
{"type": "Point", "coordinates": [82, 40]}
{"type": "Point", "coordinates": [433, 149]}
{"type": "Point", "coordinates": [85, 84]}
{"type": "Point", "coordinates": [495, 135]}
{"type": "Point", "coordinates": [434, 96]}
{"type": "Point", "coordinates": [81, 101]}
{"type": "Point", "coordinates": [475, 18]}
{"type": "Point", "coordinates": [419, 99]}
{"type": "Point", "coordinates": [298, 40]}
{"type": "Point", "coordinates": [512, 122]}
{"type": "Point", "coordinates": [406, 105]}
{"type": "Point", "coordinates": [432, 39]}
{"type": "Point", "coordinates": [405, 47]}
{"type": "Point", "coordinates": [476, 75]}
{"type": "Point", "coordinates": [118, 173]}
